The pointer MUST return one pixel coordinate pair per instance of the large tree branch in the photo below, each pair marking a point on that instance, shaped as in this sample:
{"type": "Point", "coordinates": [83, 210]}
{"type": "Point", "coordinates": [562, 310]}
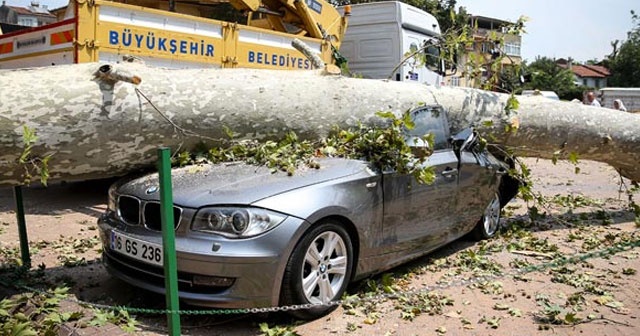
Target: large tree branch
{"type": "Point", "coordinates": [97, 127]}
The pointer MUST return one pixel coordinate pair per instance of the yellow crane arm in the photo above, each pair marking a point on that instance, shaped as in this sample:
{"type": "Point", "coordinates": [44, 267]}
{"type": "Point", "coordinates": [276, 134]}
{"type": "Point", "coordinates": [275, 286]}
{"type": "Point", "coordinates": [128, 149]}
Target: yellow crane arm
{"type": "Point", "coordinates": [315, 18]}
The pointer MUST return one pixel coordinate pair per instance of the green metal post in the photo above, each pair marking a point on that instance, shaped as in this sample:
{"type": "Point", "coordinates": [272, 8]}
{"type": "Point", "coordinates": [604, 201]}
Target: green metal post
{"type": "Point", "coordinates": [168, 241]}
{"type": "Point", "coordinates": [22, 227]}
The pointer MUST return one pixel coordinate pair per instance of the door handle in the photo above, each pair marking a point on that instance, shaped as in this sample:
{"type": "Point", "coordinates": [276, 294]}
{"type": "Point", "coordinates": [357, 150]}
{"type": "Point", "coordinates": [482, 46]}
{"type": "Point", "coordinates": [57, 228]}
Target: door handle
{"type": "Point", "coordinates": [449, 172]}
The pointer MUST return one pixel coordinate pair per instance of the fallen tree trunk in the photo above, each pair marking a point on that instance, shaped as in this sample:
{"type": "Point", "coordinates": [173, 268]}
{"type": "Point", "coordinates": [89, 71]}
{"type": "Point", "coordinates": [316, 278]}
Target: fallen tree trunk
{"type": "Point", "coordinates": [97, 122]}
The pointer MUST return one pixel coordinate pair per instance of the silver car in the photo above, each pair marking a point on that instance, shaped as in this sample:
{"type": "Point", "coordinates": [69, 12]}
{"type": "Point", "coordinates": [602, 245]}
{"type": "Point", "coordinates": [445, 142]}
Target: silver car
{"type": "Point", "coordinates": [247, 237]}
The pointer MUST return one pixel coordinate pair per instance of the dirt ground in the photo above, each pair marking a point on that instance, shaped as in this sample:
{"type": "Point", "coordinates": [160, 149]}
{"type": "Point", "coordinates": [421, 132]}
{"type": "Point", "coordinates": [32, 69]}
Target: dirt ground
{"type": "Point", "coordinates": [479, 288]}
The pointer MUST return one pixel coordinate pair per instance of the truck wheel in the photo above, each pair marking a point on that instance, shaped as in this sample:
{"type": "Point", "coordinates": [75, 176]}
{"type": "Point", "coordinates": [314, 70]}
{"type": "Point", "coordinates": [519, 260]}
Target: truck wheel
{"type": "Point", "coordinates": [489, 224]}
{"type": "Point", "coordinates": [318, 270]}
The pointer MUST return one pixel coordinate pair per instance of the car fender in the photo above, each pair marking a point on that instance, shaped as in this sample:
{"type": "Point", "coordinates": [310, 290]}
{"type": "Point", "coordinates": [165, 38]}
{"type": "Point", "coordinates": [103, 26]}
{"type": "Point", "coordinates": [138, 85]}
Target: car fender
{"type": "Point", "coordinates": [358, 199]}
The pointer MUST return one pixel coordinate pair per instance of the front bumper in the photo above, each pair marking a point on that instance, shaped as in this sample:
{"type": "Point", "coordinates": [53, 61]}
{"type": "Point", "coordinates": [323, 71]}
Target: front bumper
{"type": "Point", "coordinates": [253, 267]}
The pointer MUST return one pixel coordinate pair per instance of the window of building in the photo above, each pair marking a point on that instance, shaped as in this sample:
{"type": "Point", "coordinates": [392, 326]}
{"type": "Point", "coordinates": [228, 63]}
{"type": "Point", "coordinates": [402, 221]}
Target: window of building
{"type": "Point", "coordinates": [512, 48]}
{"type": "Point", "coordinates": [488, 47]}
{"type": "Point", "coordinates": [485, 48]}
{"type": "Point", "coordinates": [27, 21]}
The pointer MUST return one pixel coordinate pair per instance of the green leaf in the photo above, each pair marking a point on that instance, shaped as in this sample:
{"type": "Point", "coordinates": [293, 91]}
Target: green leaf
{"type": "Point", "coordinates": [408, 121]}
{"type": "Point", "coordinates": [628, 271]}
{"type": "Point", "coordinates": [604, 299]}
{"type": "Point", "coordinates": [386, 114]}
{"type": "Point", "coordinates": [76, 315]}
{"type": "Point", "coordinates": [500, 306]}
{"type": "Point", "coordinates": [515, 312]}
{"type": "Point", "coordinates": [426, 176]}
{"type": "Point", "coordinates": [20, 316]}
{"type": "Point", "coordinates": [494, 323]}
{"type": "Point", "coordinates": [277, 330]}
{"type": "Point", "coordinates": [487, 123]}
{"type": "Point", "coordinates": [573, 158]}
{"type": "Point", "coordinates": [571, 318]}
{"type": "Point", "coordinates": [101, 318]}
{"type": "Point", "coordinates": [408, 315]}
{"type": "Point", "coordinates": [23, 329]}
{"type": "Point", "coordinates": [129, 327]}
{"type": "Point", "coordinates": [512, 104]}
{"type": "Point", "coordinates": [29, 135]}
{"type": "Point", "coordinates": [227, 131]}
{"type": "Point", "coordinates": [44, 170]}
{"type": "Point", "coordinates": [430, 139]}
{"type": "Point", "coordinates": [614, 304]}
{"type": "Point", "coordinates": [372, 318]}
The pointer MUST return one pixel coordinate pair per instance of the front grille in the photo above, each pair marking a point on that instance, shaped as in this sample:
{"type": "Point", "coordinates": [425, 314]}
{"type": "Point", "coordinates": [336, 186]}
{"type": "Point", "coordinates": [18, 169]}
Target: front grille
{"type": "Point", "coordinates": [130, 208]}
{"type": "Point", "coordinates": [152, 218]}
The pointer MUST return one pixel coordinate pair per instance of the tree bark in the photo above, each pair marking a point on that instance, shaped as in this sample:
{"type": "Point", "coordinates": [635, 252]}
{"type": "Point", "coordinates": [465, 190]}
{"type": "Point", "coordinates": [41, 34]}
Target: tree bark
{"type": "Point", "coordinates": [98, 123]}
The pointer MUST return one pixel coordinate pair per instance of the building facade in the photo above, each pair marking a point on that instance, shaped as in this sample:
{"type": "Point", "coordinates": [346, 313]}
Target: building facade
{"type": "Point", "coordinates": [473, 66]}
{"type": "Point", "coordinates": [594, 76]}
{"type": "Point", "coordinates": [32, 16]}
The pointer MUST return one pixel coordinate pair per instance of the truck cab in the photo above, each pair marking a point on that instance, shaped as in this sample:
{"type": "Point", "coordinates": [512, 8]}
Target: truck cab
{"type": "Point", "coordinates": [382, 34]}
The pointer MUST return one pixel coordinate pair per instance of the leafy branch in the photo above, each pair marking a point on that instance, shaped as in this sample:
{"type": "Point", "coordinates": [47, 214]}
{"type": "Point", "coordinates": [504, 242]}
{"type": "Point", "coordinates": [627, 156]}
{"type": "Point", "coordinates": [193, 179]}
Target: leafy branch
{"type": "Point", "coordinates": [33, 164]}
{"type": "Point", "coordinates": [386, 148]}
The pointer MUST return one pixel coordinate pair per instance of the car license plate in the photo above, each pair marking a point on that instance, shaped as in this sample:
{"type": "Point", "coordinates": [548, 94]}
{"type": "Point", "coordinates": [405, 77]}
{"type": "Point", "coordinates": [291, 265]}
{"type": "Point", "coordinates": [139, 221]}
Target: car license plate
{"type": "Point", "coordinates": [137, 249]}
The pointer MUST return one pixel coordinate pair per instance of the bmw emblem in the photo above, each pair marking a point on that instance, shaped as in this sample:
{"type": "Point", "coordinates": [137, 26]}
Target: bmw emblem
{"type": "Point", "coordinates": [151, 190]}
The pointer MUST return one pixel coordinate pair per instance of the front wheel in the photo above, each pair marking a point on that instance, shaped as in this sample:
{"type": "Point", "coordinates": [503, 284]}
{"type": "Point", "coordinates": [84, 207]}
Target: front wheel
{"type": "Point", "coordinates": [318, 270]}
{"type": "Point", "coordinates": [489, 224]}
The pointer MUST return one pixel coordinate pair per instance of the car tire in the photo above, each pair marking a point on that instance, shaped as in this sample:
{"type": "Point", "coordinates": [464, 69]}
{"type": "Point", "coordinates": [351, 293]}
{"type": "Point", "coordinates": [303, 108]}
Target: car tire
{"type": "Point", "coordinates": [489, 224]}
{"type": "Point", "coordinates": [318, 270]}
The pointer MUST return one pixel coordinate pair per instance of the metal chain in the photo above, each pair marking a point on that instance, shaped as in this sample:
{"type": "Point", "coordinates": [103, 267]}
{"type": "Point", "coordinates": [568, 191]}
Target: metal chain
{"type": "Point", "coordinates": [560, 261]}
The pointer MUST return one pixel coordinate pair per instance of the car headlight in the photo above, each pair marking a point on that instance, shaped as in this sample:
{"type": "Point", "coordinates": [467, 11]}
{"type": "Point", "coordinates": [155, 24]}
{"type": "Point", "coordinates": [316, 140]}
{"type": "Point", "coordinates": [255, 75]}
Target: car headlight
{"type": "Point", "coordinates": [236, 222]}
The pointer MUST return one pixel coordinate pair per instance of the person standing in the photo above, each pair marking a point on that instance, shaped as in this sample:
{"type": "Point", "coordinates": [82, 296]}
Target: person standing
{"type": "Point", "coordinates": [591, 99]}
{"type": "Point", "coordinates": [618, 105]}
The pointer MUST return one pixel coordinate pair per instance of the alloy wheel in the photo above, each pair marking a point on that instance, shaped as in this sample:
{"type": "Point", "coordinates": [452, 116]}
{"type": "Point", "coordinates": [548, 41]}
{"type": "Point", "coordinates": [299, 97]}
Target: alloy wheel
{"type": "Point", "coordinates": [491, 218]}
{"type": "Point", "coordinates": [325, 267]}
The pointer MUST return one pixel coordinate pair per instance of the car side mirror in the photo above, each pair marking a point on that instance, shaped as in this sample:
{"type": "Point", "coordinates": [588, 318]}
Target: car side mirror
{"type": "Point", "coordinates": [419, 147]}
{"type": "Point", "coordinates": [465, 140]}
{"type": "Point", "coordinates": [433, 61]}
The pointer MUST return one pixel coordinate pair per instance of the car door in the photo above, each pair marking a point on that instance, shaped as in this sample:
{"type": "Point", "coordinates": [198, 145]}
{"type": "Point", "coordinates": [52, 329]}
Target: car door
{"type": "Point", "coordinates": [416, 216]}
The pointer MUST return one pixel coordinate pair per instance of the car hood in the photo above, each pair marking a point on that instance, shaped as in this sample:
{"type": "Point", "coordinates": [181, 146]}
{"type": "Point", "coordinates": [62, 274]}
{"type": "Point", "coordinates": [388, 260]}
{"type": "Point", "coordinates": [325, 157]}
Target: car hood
{"type": "Point", "coordinates": [236, 183]}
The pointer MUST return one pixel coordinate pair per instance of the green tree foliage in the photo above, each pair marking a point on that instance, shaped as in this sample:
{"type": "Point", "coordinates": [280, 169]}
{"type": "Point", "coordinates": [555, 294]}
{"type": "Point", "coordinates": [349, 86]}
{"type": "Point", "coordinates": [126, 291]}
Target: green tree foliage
{"type": "Point", "coordinates": [546, 75]}
{"type": "Point", "coordinates": [509, 79]}
{"type": "Point", "coordinates": [445, 13]}
{"type": "Point", "coordinates": [624, 63]}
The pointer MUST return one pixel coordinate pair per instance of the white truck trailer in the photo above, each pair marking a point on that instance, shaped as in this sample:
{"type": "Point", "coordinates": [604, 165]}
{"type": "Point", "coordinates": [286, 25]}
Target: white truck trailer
{"type": "Point", "coordinates": [381, 34]}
